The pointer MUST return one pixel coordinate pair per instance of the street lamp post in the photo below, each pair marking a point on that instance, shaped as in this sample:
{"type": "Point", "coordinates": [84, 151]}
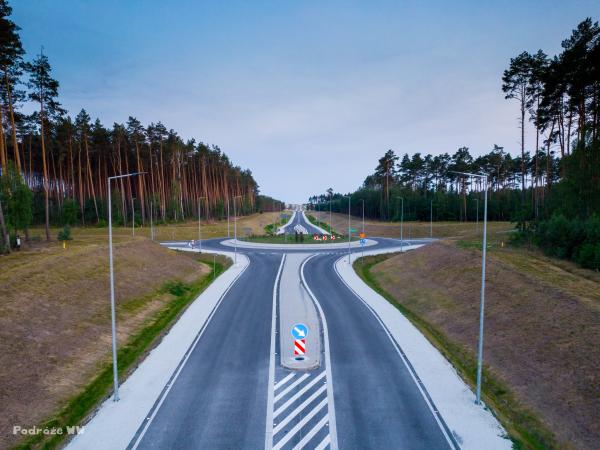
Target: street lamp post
{"type": "Point", "coordinates": [151, 222]}
{"type": "Point", "coordinates": [477, 215]}
{"type": "Point", "coordinates": [483, 177]}
{"type": "Point", "coordinates": [112, 285]}
{"type": "Point", "coordinates": [228, 233]}
{"type": "Point", "coordinates": [200, 224]}
{"type": "Point", "coordinates": [401, 225]}
{"type": "Point", "coordinates": [349, 232]}
{"type": "Point", "coordinates": [235, 229]}
{"type": "Point", "coordinates": [132, 216]}
{"type": "Point", "coordinates": [431, 220]}
{"type": "Point", "coordinates": [330, 213]}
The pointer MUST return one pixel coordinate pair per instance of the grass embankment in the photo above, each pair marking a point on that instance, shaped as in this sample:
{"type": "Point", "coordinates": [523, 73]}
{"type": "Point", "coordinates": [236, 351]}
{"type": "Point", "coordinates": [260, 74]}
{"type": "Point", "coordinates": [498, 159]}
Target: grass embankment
{"type": "Point", "coordinates": [246, 226]}
{"type": "Point", "coordinates": [412, 230]}
{"type": "Point", "coordinates": [542, 322]}
{"type": "Point", "coordinates": [55, 346]}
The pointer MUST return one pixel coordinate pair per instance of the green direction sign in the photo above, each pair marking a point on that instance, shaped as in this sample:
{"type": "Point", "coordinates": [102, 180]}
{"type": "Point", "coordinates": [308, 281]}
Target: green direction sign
{"type": "Point", "coordinates": [352, 230]}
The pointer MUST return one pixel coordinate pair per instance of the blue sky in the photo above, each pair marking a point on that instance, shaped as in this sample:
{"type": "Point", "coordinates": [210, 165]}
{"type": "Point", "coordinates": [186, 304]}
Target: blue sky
{"type": "Point", "coordinates": [307, 94]}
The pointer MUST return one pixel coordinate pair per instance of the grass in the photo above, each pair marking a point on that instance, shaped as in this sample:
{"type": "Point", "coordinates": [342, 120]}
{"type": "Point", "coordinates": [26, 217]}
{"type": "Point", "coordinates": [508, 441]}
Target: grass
{"type": "Point", "coordinates": [411, 229]}
{"type": "Point", "coordinates": [81, 405]}
{"type": "Point", "coordinates": [312, 219]}
{"type": "Point", "coordinates": [524, 427]}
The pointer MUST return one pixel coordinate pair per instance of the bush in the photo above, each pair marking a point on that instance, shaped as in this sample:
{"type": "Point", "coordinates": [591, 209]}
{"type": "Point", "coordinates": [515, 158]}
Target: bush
{"type": "Point", "coordinates": [589, 256]}
{"type": "Point", "coordinates": [70, 212]}
{"type": "Point", "coordinates": [65, 234]}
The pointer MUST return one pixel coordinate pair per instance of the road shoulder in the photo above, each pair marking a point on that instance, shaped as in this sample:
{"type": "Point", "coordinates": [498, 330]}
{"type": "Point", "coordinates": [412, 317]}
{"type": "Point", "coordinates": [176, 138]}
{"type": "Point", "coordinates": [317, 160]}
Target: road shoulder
{"type": "Point", "coordinates": [473, 426]}
{"type": "Point", "coordinates": [144, 386]}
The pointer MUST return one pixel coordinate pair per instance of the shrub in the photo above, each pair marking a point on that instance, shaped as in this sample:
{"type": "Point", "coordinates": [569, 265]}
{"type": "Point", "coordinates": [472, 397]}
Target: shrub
{"type": "Point", "coordinates": [589, 256]}
{"type": "Point", "coordinates": [65, 234]}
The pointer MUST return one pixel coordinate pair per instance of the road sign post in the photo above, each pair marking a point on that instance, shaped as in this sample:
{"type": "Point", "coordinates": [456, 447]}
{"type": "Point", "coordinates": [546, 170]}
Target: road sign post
{"type": "Point", "coordinates": [299, 333]}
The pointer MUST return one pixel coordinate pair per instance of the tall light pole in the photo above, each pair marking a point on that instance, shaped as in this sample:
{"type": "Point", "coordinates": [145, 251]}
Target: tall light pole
{"type": "Point", "coordinates": [477, 216]}
{"type": "Point", "coordinates": [363, 215]}
{"type": "Point", "coordinates": [484, 178]}
{"type": "Point", "coordinates": [431, 220]}
{"type": "Point", "coordinates": [330, 198]}
{"type": "Point", "coordinates": [228, 234]}
{"type": "Point", "coordinates": [151, 222]}
{"type": "Point", "coordinates": [401, 225]}
{"type": "Point", "coordinates": [200, 224]}
{"type": "Point", "coordinates": [112, 285]}
{"type": "Point", "coordinates": [132, 216]}
{"type": "Point", "coordinates": [235, 228]}
{"type": "Point", "coordinates": [349, 232]}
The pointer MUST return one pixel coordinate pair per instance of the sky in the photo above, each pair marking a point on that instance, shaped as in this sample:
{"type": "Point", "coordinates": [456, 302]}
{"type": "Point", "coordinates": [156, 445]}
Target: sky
{"type": "Point", "coordinates": [307, 94]}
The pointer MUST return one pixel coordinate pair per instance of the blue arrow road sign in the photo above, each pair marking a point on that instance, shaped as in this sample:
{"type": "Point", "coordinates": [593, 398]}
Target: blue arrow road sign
{"type": "Point", "coordinates": [363, 242]}
{"type": "Point", "coordinates": [299, 331]}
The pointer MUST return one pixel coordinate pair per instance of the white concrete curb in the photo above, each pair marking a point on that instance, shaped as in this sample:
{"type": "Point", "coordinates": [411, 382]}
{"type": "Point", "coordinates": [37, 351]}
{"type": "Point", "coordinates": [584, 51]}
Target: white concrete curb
{"type": "Point", "coordinates": [115, 423]}
{"type": "Point", "coordinates": [266, 246]}
{"type": "Point", "coordinates": [474, 427]}
{"type": "Point", "coordinates": [321, 230]}
{"type": "Point", "coordinates": [281, 230]}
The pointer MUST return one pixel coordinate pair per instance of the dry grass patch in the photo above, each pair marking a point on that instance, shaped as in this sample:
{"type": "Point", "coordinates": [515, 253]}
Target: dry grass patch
{"type": "Point", "coordinates": [377, 228]}
{"type": "Point", "coordinates": [542, 329]}
{"type": "Point", "coordinates": [55, 318]}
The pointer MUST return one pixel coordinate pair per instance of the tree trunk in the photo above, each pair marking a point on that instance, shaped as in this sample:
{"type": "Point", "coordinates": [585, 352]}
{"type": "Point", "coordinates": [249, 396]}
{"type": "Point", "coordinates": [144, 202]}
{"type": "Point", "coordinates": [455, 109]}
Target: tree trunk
{"type": "Point", "coordinates": [12, 122]}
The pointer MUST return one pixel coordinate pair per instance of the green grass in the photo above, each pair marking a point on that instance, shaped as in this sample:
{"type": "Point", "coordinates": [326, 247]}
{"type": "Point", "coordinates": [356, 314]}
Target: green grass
{"type": "Point", "coordinates": [525, 429]}
{"type": "Point", "coordinates": [82, 404]}
{"type": "Point", "coordinates": [318, 223]}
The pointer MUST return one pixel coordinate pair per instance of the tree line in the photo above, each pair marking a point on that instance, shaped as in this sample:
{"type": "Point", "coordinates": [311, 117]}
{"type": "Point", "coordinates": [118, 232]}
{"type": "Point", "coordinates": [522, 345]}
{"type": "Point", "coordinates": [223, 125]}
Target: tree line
{"type": "Point", "coordinates": [551, 186]}
{"type": "Point", "coordinates": [66, 161]}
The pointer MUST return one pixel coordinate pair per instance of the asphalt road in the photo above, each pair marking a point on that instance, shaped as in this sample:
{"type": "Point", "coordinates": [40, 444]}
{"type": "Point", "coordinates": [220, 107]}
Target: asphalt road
{"type": "Point", "coordinates": [363, 389]}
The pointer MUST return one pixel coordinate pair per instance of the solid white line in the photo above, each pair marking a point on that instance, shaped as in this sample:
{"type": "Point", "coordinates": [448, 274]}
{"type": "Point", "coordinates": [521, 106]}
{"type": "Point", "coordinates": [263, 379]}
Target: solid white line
{"type": "Point", "coordinates": [186, 357]}
{"type": "Point", "coordinates": [299, 409]}
{"type": "Point", "coordinates": [280, 383]}
{"type": "Point", "coordinates": [270, 387]}
{"type": "Point", "coordinates": [396, 347]}
{"type": "Point", "coordinates": [299, 425]}
{"type": "Point", "coordinates": [328, 368]}
{"type": "Point", "coordinates": [311, 434]}
{"type": "Point", "coordinates": [298, 394]}
{"type": "Point", "coordinates": [324, 443]}
{"type": "Point", "coordinates": [291, 386]}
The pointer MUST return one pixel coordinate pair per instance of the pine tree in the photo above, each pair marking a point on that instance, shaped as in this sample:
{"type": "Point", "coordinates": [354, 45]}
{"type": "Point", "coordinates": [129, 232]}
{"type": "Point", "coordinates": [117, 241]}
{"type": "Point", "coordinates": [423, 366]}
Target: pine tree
{"type": "Point", "coordinates": [44, 91]}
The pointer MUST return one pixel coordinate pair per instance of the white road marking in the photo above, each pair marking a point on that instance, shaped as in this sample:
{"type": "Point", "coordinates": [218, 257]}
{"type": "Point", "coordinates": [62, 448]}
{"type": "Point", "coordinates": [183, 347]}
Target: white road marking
{"type": "Point", "coordinates": [299, 425]}
{"type": "Point", "coordinates": [186, 357]}
{"type": "Point", "coordinates": [285, 380]}
{"type": "Point", "coordinates": [298, 394]}
{"type": "Point", "coordinates": [402, 357]}
{"type": "Point", "coordinates": [271, 389]}
{"type": "Point", "coordinates": [299, 409]}
{"type": "Point", "coordinates": [311, 434]}
{"type": "Point", "coordinates": [324, 443]}
{"type": "Point", "coordinates": [291, 386]}
{"type": "Point", "coordinates": [330, 399]}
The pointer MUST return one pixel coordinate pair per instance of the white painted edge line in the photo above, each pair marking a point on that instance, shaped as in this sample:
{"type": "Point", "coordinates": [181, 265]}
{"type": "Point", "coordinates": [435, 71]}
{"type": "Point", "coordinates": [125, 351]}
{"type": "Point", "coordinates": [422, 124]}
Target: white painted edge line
{"type": "Point", "coordinates": [321, 230]}
{"type": "Point", "coordinates": [408, 367]}
{"type": "Point", "coordinates": [330, 399]}
{"type": "Point", "coordinates": [270, 386]}
{"type": "Point", "coordinates": [475, 425]}
{"type": "Point", "coordinates": [281, 229]}
{"type": "Point", "coordinates": [115, 424]}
